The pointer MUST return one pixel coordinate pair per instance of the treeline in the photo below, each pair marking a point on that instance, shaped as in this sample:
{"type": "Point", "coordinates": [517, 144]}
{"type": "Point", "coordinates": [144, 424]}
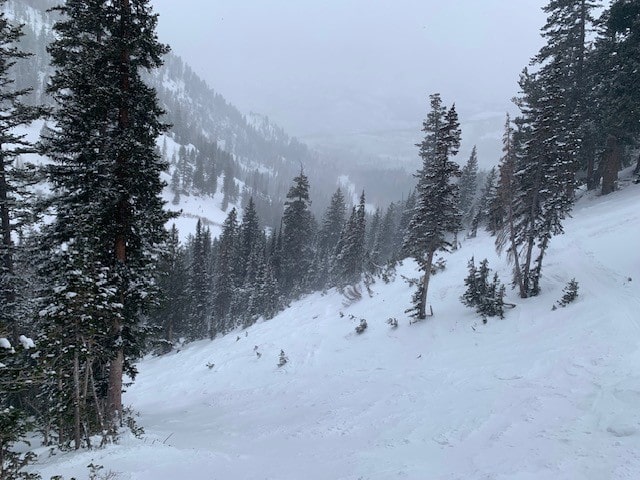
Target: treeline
{"type": "Point", "coordinates": [214, 285]}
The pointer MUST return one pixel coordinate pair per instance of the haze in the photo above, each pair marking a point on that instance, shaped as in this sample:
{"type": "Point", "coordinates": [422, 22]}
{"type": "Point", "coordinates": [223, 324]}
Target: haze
{"type": "Point", "coordinates": [357, 73]}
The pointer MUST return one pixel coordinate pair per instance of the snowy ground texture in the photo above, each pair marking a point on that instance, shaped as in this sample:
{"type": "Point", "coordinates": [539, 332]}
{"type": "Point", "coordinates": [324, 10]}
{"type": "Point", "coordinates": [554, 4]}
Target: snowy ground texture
{"type": "Point", "coordinates": [539, 395]}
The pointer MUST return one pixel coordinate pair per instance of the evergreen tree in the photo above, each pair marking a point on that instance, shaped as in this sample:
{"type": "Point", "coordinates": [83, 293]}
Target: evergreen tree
{"type": "Point", "coordinates": [544, 174]}
{"type": "Point", "coordinates": [484, 214]}
{"type": "Point", "coordinates": [173, 281]}
{"type": "Point", "coordinates": [13, 180]}
{"type": "Point", "coordinates": [614, 72]}
{"type": "Point", "coordinates": [298, 230]}
{"type": "Point", "coordinates": [562, 71]}
{"type": "Point", "coordinates": [250, 243]}
{"type": "Point", "coordinates": [486, 296]}
{"type": "Point", "coordinates": [384, 245]}
{"type": "Point", "coordinates": [106, 173]}
{"type": "Point", "coordinates": [350, 251]}
{"type": "Point", "coordinates": [436, 214]}
{"type": "Point", "coordinates": [468, 187]}
{"type": "Point", "coordinates": [332, 223]}
{"type": "Point", "coordinates": [200, 283]}
{"type": "Point", "coordinates": [224, 279]}
{"type": "Point", "coordinates": [503, 206]}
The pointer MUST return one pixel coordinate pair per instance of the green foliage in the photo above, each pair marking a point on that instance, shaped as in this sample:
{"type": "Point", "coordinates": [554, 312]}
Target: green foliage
{"type": "Point", "coordinates": [569, 293]}
{"type": "Point", "coordinates": [483, 294]}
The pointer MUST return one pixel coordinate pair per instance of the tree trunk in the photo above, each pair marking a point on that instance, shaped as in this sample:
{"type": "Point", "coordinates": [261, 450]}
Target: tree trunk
{"type": "Point", "coordinates": [517, 271]}
{"type": "Point", "coordinates": [422, 310]}
{"type": "Point", "coordinates": [116, 366]}
{"type": "Point", "coordinates": [611, 165]}
{"type": "Point", "coordinates": [77, 431]}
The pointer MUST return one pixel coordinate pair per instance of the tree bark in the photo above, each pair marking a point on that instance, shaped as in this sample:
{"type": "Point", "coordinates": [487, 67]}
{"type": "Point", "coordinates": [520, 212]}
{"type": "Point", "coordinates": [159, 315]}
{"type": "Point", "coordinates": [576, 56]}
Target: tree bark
{"type": "Point", "coordinates": [611, 165]}
{"type": "Point", "coordinates": [422, 310]}
{"type": "Point", "coordinates": [116, 366]}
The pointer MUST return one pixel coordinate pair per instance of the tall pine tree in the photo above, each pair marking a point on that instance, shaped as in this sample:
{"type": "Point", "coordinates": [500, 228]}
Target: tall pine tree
{"type": "Point", "coordinates": [106, 172]}
{"type": "Point", "coordinates": [436, 216]}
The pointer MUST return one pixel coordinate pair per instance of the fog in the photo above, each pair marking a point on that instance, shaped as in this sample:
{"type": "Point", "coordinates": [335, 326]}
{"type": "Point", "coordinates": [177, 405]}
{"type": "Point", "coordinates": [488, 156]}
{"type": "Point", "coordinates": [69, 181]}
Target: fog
{"type": "Point", "coordinates": [357, 73]}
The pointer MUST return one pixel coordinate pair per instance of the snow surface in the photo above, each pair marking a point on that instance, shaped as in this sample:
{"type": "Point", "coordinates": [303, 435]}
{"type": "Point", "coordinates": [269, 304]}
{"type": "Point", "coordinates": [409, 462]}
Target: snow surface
{"type": "Point", "coordinates": [541, 394]}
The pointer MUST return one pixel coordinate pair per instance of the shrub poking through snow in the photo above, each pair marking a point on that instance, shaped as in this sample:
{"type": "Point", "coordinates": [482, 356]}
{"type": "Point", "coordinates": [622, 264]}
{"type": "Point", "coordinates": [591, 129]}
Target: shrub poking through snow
{"type": "Point", "coordinates": [283, 359]}
{"type": "Point", "coordinates": [362, 327]}
{"type": "Point", "coordinates": [486, 296]}
{"type": "Point", "coordinates": [570, 293]}
{"type": "Point", "coordinates": [393, 322]}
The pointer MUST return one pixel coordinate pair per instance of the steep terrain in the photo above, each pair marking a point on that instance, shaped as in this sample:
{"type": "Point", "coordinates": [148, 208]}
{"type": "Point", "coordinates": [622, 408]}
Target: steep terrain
{"type": "Point", "coordinates": [541, 394]}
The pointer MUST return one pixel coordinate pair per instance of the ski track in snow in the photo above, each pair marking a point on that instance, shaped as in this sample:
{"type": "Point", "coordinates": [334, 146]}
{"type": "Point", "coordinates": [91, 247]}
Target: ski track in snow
{"type": "Point", "coordinates": [539, 395]}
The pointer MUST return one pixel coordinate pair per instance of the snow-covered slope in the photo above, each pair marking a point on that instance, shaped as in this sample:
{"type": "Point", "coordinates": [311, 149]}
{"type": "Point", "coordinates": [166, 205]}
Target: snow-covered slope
{"type": "Point", "coordinates": [541, 394]}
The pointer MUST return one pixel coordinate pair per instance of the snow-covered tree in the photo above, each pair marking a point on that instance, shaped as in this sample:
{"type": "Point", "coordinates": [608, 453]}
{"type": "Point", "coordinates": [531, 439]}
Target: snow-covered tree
{"type": "Point", "coordinates": [105, 175]}
{"type": "Point", "coordinates": [436, 216]}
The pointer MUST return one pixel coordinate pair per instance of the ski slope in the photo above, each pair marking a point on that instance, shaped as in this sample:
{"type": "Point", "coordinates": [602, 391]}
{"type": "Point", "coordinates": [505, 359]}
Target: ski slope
{"type": "Point", "coordinates": [539, 395]}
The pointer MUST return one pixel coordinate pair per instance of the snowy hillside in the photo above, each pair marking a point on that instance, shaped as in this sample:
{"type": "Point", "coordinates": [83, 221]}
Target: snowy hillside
{"type": "Point", "coordinates": [541, 394]}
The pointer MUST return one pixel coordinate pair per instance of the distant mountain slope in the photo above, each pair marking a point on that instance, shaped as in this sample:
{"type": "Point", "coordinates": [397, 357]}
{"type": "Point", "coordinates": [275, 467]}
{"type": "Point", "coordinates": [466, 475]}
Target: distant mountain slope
{"type": "Point", "coordinates": [261, 157]}
{"type": "Point", "coordinates": [541, 394]}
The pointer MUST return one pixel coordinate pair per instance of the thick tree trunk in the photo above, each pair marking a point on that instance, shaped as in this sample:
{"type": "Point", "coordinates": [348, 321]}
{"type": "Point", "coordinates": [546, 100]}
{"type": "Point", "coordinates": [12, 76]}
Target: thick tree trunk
{"type": "Point", "coordinates": [116, 366]}
{"type": "Point", "coordinates": [611, 165]}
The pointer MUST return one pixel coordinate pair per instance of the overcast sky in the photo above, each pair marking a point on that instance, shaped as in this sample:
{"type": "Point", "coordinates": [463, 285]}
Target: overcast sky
{"type": "Point", "coordinates": [330, 67]}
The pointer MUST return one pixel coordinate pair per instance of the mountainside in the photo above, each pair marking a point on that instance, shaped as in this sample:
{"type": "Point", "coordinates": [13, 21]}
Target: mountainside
{"type": "Point", "coordinates": [544, 394]}
{"type": "Point", "coordinates": [258, 154]}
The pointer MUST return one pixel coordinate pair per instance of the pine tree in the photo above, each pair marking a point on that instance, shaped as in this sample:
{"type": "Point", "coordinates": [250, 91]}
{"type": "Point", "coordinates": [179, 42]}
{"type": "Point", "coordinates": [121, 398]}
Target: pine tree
{"type": "Point", "coordinates": [384, 245]}
{"type": "Point", "coordinates": [503, 206]}
{"type": "Point", "coordinates": [562, 63]}
{"type": "Point", "coordinates": [614, 73]}
{"type": "Point", "coordinates": [332, 223]}
{"type": "Point", "coordinates": [485, 214]}
{"type": "Point", "coordinates": [13, 180]}
{"type": "Point", "coordinates": [106, 172]}
{"type": "Point", "coordinates": [545, 176]}
{"type": "Point", "coordinates": [486, 296]}
{"type": "Point", "coordinates": [350, 251]}
{"type": "Point", "coordinates": [250, 242]}
{"type": "Point", "coordinates": [224, 280]}
{"type": "Point", "coordinates": [199, 284]}
{"type": "Point", "coordinates": [468, 187]}
{"type": "Point", "coordinates": [298, 231]}
{"type": "Point", "coordinates": [173, 280]}
{"type": "Point", "coordinates": [436, 214]}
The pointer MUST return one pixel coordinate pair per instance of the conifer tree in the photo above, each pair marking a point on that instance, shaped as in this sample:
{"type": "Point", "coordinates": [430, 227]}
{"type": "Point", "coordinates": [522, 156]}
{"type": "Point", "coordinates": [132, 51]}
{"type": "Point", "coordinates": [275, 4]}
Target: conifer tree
{"type": "Point", "coordinates": [173, 281]}
{"type": "Point", "coordinates": [298, 231]}
{"type": "Point", "coordinates": [384, 245]}
{"type": "Point", "coordinates": [484, 214]}
{"type": "Point", "coordinates": [436, 214]}
{"type": "Point", "coordinates": [224, 280]}
{"type": "Point", "coordinates": [350, 251]}
{"type": "Point", "coordinates": [468, 187]}
{"type": "Point", "coordinates": [562, 69]}
{"type": "Point", "coordinates": [106, 172]}
{"type": "Point", "coordinates": [614, 73]}
{"type": "Point", "coordinates": [332, 223]}
{"type": "Point", "coordinates": [13, 180]}
{"type": "Point", "coordinates": [200, 284]}
{"type": "Point", "coordinates": [503, 206]}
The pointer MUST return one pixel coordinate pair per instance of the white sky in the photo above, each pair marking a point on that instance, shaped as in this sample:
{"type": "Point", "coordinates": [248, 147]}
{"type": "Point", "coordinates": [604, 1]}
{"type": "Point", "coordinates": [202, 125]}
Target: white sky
{"type": "Point", "coordinates": [330, 67]}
